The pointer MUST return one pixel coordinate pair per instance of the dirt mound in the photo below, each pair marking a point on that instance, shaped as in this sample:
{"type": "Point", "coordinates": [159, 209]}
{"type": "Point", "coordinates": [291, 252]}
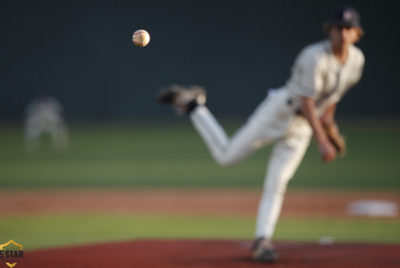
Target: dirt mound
{"type": "Point", "coordinates": [206, 253]}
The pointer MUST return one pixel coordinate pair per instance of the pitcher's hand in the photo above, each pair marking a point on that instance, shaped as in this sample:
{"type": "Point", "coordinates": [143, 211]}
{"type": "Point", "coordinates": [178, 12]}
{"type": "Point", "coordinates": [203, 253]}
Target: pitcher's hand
{"type": "Point", "coordinates": [327, 151]}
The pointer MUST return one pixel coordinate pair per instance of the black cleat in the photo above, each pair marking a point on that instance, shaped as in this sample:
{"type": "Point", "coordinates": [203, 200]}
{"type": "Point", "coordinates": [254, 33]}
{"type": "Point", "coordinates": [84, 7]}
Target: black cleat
{"type": "Point", "coordinates": [264, 251]}
{"type": "Point", "coordinates": [183, 99]}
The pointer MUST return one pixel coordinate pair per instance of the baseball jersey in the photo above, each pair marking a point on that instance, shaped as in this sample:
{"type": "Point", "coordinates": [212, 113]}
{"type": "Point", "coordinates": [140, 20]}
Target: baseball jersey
{"type": "Point", "coordinates": [317, 73]}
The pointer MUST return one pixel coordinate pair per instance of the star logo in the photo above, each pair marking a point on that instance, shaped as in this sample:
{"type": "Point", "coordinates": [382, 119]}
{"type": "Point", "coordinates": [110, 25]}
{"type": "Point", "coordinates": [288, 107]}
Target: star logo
{"type": "Point", "coordinates": [10, 253]}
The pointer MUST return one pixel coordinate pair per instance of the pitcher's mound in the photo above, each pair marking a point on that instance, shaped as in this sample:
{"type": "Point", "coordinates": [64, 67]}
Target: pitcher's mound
{"type": "Point", "coordinates": [210, 254]}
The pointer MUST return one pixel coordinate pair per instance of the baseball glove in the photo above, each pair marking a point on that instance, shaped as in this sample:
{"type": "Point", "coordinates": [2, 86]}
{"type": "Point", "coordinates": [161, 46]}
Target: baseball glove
{"type": "Point", "coordinates": [335, 138]}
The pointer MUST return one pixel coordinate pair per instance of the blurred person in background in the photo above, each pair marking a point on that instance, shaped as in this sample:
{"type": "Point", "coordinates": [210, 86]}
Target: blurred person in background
{"type": "Point", "coordinates": [288, 117]}
{"type": "Point", "coordinates": [44, 116]}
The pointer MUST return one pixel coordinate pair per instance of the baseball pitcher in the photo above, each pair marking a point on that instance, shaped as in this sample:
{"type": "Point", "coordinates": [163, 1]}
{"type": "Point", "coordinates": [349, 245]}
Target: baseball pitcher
{"type": "Point", "coordinates": [287, 117]}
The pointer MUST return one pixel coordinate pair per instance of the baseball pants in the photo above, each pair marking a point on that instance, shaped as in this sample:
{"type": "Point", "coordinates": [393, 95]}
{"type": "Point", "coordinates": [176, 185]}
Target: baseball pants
{"type": "Point", "coordinates": [272, 122]}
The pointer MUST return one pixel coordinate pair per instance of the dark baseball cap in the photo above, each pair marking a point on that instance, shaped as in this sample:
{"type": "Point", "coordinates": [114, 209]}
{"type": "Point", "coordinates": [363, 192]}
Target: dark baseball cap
{"type": "Point", "coordinates": [345, 16]}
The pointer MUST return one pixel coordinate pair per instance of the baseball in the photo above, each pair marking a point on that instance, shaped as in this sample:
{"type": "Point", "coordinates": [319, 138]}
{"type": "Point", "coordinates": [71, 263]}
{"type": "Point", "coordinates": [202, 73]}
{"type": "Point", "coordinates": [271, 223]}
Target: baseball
{"type": "Point", "coordinates": [141, 38]}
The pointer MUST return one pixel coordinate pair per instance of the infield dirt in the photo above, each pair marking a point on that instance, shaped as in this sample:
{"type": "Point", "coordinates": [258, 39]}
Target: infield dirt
{"type": "Point", "coordinates": [186, 202]}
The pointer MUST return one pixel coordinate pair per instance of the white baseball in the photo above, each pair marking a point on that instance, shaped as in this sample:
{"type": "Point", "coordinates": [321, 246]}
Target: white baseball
{"type": "Point", "coordinates": [141, 38]}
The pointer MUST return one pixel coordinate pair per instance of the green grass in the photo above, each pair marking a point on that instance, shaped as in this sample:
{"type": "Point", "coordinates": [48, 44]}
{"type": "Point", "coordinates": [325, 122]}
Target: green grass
{"type": "Point", "coordinates": [49, 231]}
{"type": "Point", "coordinates": [171, 155]}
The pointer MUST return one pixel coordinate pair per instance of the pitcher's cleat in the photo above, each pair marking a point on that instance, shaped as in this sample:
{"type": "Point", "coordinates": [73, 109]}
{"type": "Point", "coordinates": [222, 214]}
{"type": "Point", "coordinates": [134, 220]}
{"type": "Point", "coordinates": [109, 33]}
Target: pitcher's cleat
{"type": "Point", "coordinates": [183, 99]}
{"type": "Point", "coordinates": [264, 251]}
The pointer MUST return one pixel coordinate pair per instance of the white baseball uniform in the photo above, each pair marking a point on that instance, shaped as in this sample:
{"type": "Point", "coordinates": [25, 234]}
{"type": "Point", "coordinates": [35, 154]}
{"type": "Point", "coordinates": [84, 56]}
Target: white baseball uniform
{"type": "Point", "coordinates": [44, 116]}
{"type": "Point", "coordinates": [317, 74]}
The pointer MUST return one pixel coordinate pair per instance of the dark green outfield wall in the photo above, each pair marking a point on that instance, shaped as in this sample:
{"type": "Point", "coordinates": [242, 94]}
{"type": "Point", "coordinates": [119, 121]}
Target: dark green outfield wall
{"type": "Point", "coordinates": [81, 53]}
